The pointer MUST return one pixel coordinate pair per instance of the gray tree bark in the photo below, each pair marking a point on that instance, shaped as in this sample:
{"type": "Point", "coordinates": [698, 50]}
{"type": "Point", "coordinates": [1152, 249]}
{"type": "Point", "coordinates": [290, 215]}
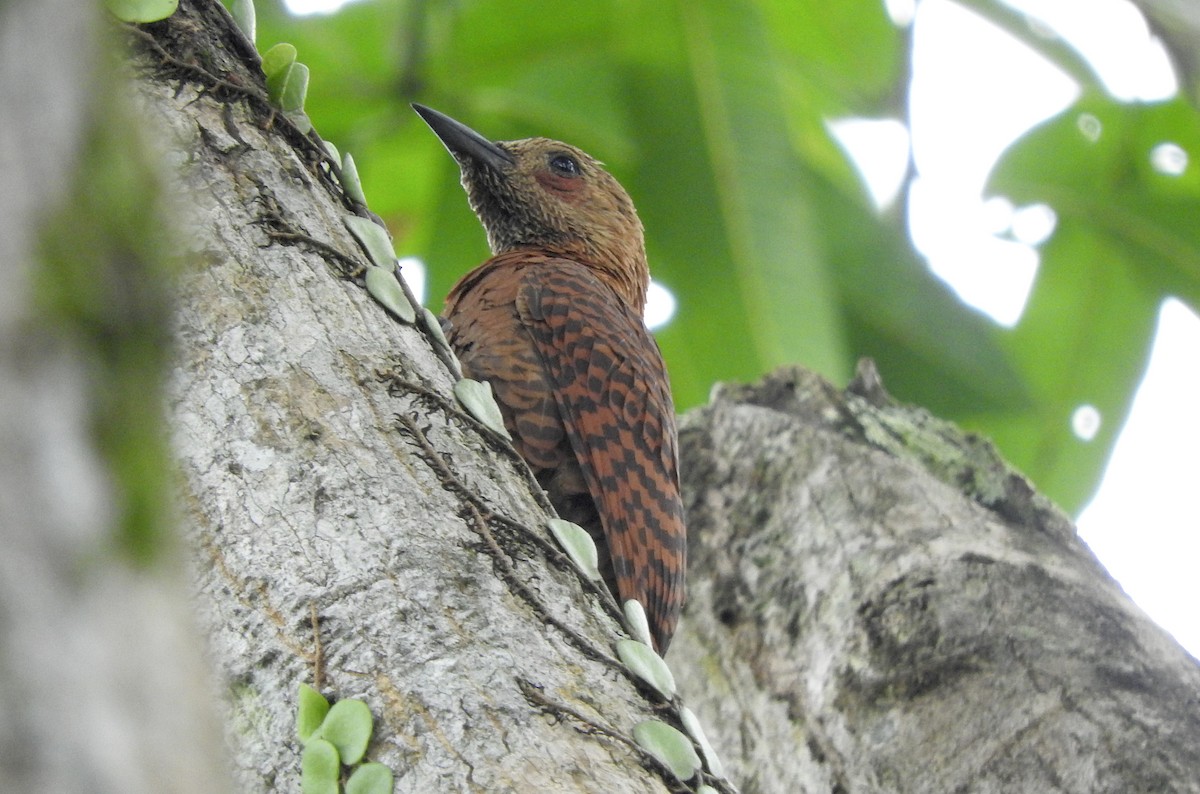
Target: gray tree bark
{"type": "Point", "coordinates": [877, 602]}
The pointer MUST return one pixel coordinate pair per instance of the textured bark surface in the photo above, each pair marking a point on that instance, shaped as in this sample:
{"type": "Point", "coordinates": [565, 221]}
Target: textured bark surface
{"type": "Point", "coordinates": [877, 604]}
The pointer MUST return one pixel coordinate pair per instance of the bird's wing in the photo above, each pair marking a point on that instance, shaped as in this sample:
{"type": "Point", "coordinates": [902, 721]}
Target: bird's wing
{"type": "Point", "coordinates": [492, 345]}
{"type": "Point", "coordinates": [611, 386]}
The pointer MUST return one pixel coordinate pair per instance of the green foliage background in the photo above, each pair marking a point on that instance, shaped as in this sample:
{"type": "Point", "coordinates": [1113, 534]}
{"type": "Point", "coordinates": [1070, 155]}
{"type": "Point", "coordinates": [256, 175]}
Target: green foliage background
{"type": "Point", "coordinates": [713, 115]}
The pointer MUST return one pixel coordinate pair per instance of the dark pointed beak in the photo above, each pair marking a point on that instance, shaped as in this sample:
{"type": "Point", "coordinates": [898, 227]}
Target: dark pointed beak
{"type": "Point", "coordinates": [464, 143]}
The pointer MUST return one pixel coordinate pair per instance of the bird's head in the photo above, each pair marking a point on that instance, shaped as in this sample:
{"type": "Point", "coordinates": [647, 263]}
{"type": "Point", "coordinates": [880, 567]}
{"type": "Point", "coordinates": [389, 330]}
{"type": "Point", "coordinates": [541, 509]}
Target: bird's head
{"type": "Point", "coordinates": [544, 195]}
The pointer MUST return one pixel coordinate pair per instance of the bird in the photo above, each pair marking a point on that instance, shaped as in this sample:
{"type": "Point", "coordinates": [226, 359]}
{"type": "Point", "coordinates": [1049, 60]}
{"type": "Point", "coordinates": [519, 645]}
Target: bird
{"type": "Point", "coordinates": [553, 320]}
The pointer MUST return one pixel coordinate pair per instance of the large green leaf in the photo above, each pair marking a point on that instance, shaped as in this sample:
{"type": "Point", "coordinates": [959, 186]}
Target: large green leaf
{"type": "Point", "coordinates": [1126, 238]}
{"type": "Point", "coordinates": [1110, 185]}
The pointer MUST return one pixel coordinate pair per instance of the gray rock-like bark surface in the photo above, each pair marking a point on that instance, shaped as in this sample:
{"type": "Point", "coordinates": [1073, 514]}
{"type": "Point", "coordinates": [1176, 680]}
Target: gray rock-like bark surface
{"type": "Point", "coordinates": [878, 604]}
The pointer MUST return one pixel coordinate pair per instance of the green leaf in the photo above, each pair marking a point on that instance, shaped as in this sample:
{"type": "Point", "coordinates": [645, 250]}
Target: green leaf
{"type": "Point", "coordinates": [691, 723]}
{"type": "Point", "coordinates": [350, 180]}
{"type": "Point", "coordinates": [287, 82]}
{"type": "Point", "coordinates": [1084, 339]}
{"type": "Point", "coordinates": [635, 621]}
{"type": "Point", "coordinates": [276, 61]}
{"type": "Point", "coordinates": [294, 88]}
{"type": "Point", "coordinates": [1126, 238]}
{"type": "Point", "coordinates": [1110, 186]}
{"type": "Point", "coordinates": [672, 749]}
{"type": "Point", "coordinates": [370, 779]}
{"type": "Point", "coordinates": [384, 287]}
{"type": "Point", "coordinates": [310, 711]}
{"type": "Point", "coordinates": [578, 545]}
{"type": "Point", "coordinates": [477, 398]}
{"type": "Point", "coordinates": [300, 120]}
{"type": "Point", "coordinates": [374, 240]}
{"type": "Point", "coordinates": [243, 14]}
{"type": "Point", "coordinates": [434, 326]}
{"type": "Point", "coordinates": [776, 261]}
{"type": "Point", "coordinates": [647, 665]}
{"type": "Point", "coordinates": [142, 10]}
{"type": "Point", "coordinates": [843, 55]}
{"type": "Point", "coordinates": [347, 727]}
{"type": "Point", "coordinates": [319, 768]}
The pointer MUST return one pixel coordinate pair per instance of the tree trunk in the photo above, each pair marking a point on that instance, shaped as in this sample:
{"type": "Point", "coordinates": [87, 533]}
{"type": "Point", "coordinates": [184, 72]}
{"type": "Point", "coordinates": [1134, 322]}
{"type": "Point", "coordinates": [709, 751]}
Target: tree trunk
{"type": "Point", "coordinates": [877, 603]}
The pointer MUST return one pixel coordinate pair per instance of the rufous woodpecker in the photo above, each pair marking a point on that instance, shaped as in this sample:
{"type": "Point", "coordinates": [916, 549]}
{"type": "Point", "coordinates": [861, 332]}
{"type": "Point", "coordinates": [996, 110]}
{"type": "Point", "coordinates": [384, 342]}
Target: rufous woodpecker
{"type": "Point", "coordinates": [554, 321]}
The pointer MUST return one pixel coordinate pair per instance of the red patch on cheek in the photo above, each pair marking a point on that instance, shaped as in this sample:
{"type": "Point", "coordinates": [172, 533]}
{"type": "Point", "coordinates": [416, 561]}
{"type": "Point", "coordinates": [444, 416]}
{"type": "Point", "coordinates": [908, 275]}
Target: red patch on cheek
{"type": "Point", "coordinates": [561, 186]}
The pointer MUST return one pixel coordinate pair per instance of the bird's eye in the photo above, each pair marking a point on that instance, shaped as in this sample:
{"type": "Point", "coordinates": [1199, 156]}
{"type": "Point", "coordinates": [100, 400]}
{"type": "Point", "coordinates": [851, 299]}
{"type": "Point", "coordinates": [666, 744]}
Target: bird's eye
{"type": "Point", "coordinates": [564, 165]}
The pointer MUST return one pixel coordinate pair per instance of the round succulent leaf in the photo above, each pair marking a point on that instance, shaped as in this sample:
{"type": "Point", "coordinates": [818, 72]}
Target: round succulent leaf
{"type": "Point", "coordinates": [691, 723]}
{"type": "Point", "coordinates": [300, 121]}
{"type": "Point", "coordinates": [311, 708]}
{"type": "Point", "coordinates": [142, 10]}
{"type": "Point", "coordinates": [647, 665]}
{"type": "Point", "coordinates": [319, 768]}
{"type": "Point", "coordinates": [672, 749]}
{"type": "Point", "coordinates": [384, 288]}
{"type": "Point", "coordinates": [373, 238]}
{"type": "Point", "coordinates": [295, 88]}
{"type": "Point", "coordinates": [348, 727]}
{"type": "Point", "coordinates": [635, 621]}
{"type": "Point", "coordinates": [278, 58]}
{"type": "Point", "coordinates": [244, 15]}
{"type": "Point", "coordinates": [332, 151]}
{"type": "Point", "coordinates": [350, 181]}
{"type": "Point", "coordinates": [435, 327]}
{"type": "Point", "coordinates": [371, 779]}
{"type": "Point", "coordinates": [578, 545]}
{"type": "Point", "coordinates": [477, 398]}
{"type": "Point", "coordinates": [277, 81]}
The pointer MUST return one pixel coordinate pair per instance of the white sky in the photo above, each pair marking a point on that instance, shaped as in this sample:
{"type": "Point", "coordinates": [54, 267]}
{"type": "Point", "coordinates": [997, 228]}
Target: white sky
{"type": "Point", "coordinates": [975, 90]}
